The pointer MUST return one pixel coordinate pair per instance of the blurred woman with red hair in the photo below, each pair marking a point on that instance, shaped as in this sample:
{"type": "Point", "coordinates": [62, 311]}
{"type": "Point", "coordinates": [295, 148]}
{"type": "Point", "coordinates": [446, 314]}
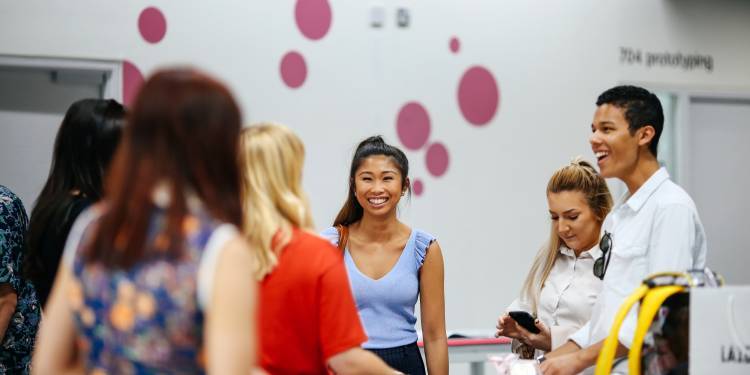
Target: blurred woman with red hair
{"type": "Point", "coordinates": [139, 289]}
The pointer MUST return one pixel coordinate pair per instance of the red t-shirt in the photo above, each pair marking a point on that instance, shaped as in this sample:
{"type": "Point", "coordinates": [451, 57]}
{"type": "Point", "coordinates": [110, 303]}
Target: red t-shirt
{"type": "Point", "coordinates": [307, 312]}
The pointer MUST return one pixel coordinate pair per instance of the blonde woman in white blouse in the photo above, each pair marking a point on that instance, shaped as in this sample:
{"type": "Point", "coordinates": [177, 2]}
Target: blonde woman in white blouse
{"type": "Point", "coordinates": [561, 288]}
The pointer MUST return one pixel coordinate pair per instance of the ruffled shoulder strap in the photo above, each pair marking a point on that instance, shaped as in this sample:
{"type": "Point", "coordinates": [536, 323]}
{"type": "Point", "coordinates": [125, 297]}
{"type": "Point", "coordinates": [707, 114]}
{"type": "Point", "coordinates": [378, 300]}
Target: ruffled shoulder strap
{"type": "Point", "coordinates": [422, 241]}
{"type": "Point", "coordinates": [331, 234]}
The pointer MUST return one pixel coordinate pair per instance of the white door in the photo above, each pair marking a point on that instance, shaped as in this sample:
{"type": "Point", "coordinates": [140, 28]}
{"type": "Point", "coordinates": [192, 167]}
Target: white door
{"type": "Point", "coordinates": [717, 159]}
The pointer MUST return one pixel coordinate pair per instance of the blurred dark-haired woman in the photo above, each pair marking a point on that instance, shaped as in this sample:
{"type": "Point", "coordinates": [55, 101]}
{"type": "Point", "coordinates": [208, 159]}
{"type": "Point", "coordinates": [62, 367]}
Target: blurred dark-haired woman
{"type": "Point", "coordinates": [84, 146]}
{"type": "Point", "coordinates": [156, 278]}
{"type": "Point", "coordinates": [390, 264]}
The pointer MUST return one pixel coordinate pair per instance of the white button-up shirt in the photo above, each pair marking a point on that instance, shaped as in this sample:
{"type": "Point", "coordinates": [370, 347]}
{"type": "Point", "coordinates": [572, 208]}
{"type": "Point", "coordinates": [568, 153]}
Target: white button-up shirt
{"type": "Point", "coordinates": [657, 229]}
{"type": "Point", "coordinates": [568, 294]}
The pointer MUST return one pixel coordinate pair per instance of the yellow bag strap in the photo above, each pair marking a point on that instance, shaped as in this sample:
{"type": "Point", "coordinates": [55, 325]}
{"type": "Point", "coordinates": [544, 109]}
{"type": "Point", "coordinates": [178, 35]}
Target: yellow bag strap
{"type": "Point", "coordinates": [649, 306]}
{"type": "Point", "coordinates": [609, 349]}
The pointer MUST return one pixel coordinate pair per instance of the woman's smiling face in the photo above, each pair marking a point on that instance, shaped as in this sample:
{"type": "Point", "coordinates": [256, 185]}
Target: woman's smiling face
{"type": "Point", "coordinates": [377, 185]}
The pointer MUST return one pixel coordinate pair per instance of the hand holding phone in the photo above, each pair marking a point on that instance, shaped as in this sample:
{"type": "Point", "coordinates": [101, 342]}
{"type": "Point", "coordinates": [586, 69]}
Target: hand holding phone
{"type": "Point", "coordinates": [525, 320]}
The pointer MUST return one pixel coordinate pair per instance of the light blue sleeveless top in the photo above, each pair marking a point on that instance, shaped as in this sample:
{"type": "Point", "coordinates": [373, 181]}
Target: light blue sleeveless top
{"type": "Point", "coordinates": [386, 305]}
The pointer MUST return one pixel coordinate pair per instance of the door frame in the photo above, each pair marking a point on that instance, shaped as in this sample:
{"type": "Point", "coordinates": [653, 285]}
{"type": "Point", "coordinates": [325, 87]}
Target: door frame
{"type": "Point", "coordinates": [113, 85]}
{"type": "Point", "coordinates": [685, 96]}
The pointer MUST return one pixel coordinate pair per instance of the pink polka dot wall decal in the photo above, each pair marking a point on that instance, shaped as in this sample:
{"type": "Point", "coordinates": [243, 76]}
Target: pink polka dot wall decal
{"type": "Point", "coordinates": [417, 187]}
{"type": "Point", "coordinates": [437, 159]}
{"type": "Point", "coordinates": [454, 45]}
{"type": "Point", "coordinates": [152, 25]}
{"type": "Point", "coordinates": [313, 18]}
{"type": "Point", "coordinates": [478, 96]}
{"type": "Point", "coordinates": [132, 79]}
{"type": "Point", "coordinates": [413, 125]}
{"type": "Point", "coordinates": [293, 69]}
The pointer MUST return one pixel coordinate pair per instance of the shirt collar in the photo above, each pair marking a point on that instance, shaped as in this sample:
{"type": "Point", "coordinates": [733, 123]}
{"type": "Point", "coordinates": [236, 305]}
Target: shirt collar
{"type": "Point", "coordinates": [593, 252]}
{"type": "Point", "coordinates": [637, 200]}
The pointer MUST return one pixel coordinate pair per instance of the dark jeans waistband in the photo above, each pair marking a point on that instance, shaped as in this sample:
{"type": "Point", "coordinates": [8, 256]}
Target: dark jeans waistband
{"type": "Point", "coordinates": [405, 358]}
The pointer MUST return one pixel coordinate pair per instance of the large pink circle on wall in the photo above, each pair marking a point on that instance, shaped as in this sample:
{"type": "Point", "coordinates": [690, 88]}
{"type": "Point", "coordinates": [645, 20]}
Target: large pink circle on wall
{"type": "Point", "coordinates": [152, 25]}
{"type": "Point", "coordinates": [132, 79]}
{"type": "Point", "coordinates": [478, 96]}
{"type": "Point", "coordinates": [437, 159]}
{"type": "Point", "coordinates": [313, 18]}
{"type": "Point", "coordinates": [413, 125]}
{"type": "Point", "coordinates": [293, 69]}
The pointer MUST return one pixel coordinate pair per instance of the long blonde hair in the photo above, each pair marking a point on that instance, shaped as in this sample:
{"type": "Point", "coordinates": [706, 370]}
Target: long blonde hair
{"type": "Point", "coordinates": [580, 176]}
{"type": "Point", "coordinates": [273, 201]}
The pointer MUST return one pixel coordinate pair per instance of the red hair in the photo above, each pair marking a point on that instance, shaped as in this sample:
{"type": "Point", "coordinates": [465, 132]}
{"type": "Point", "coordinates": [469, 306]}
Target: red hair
{"type": "Point", "coordinates": [183, 130]}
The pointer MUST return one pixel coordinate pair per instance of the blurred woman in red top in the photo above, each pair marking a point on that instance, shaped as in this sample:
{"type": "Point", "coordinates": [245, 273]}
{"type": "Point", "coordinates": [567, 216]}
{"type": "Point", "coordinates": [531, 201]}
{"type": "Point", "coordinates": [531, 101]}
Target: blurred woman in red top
{"type": "Point", "coordinates": [308, 321]}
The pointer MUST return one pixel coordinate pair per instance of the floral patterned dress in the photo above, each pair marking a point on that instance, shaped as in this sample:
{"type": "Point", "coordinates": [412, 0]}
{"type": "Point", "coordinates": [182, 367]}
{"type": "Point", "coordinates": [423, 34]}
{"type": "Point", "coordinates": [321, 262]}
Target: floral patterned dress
{"type": "Point", "coordinates": [18, 343]}
{"type": "Point", "coordinates": [145, 319]}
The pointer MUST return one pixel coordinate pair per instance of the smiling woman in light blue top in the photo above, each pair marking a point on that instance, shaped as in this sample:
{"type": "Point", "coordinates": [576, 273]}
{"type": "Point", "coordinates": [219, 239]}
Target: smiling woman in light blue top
{"type": "Point", "coordinates": [386, 305]}
{"type": "Point", "coordinates": [390, 264]}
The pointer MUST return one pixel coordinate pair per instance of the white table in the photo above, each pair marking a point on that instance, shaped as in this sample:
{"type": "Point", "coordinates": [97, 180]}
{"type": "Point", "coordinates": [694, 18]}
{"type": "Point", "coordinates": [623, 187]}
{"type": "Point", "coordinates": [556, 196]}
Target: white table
{"type": "Point", "coordinates": [474, 351]}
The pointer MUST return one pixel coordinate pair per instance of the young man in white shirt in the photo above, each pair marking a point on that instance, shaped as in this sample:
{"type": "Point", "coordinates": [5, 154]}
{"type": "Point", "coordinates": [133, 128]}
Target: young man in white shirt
{"type": "Point", "coordinates": [654, 228]}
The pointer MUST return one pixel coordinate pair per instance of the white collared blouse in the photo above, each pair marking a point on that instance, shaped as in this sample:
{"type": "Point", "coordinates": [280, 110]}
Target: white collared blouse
{"type": "Point", "coordinates": [568, 294]}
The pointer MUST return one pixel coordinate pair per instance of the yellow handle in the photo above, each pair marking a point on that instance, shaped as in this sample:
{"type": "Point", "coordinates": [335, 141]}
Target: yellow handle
{"type": "Point", "coordinates": [650, 305]}
{"type": "Point", "coordinates": [609, 349]}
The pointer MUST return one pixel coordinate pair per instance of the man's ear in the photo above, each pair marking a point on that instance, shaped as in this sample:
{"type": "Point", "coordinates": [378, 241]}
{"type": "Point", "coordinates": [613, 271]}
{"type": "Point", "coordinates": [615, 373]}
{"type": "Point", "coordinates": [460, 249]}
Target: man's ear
{"type": "Point", "coordinates": [645, 135]}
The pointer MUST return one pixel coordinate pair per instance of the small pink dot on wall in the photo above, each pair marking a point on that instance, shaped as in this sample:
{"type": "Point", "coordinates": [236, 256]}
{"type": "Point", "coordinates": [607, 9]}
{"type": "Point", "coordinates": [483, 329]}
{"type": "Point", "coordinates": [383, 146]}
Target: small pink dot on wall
{"type": "Point", "coordinates": [313, 18]}
{"type": "Point", "coordinates": [417, 187]}
{"type": "Point", "coordinates": [478, 95]}
{"type": "Point", "coordinates": [455, 44]}
{"type": "Point", "coordinates": [293, 69]}
{"type": "Point", "coordinates": [437, 159]}
{"type": "Point", "coordinates": [413, 125]}
{"type": "Point", "coordinates": [132, 79]}
{"type": "Point", "coordinates": [152, 25]}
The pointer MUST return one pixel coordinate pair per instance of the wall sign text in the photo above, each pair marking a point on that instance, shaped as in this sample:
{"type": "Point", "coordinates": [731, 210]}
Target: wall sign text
{"type": "Point", "coordinates": [676, 60]}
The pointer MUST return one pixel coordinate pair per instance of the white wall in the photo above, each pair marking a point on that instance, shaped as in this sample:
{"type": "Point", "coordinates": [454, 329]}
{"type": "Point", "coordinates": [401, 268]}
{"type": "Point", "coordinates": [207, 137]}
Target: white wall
{"type": "Point", "coordinates": [550, 58]}
{"type": "Point", "coordinates": [24, 165]}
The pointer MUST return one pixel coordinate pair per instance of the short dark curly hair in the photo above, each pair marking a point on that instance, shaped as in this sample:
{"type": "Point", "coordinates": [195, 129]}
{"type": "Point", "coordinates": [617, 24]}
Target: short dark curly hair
{"type": "Point", "coordinates": [641, 108]}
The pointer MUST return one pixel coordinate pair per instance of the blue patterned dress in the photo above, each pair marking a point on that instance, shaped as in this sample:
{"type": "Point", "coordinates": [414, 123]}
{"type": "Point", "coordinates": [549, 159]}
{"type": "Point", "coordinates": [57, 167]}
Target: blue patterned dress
{"type": "Point", "coordinates": [146, 319]}
{"type": "Point", "coordinates": [18, 343]}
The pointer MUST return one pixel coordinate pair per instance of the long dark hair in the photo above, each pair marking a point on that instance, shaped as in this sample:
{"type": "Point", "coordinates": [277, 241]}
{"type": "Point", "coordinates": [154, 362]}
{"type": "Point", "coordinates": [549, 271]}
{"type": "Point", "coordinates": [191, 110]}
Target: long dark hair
{"type": "Point", "coordinates": [184, 130]}
{"type": "Point", "coordinates": [85, 142]}
{"type": "Point", "coordinates": [352, 211]}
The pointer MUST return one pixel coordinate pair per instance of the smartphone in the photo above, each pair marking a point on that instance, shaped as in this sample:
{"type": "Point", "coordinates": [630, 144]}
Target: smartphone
{"type": "Point", "coordinates": [525, 320]}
